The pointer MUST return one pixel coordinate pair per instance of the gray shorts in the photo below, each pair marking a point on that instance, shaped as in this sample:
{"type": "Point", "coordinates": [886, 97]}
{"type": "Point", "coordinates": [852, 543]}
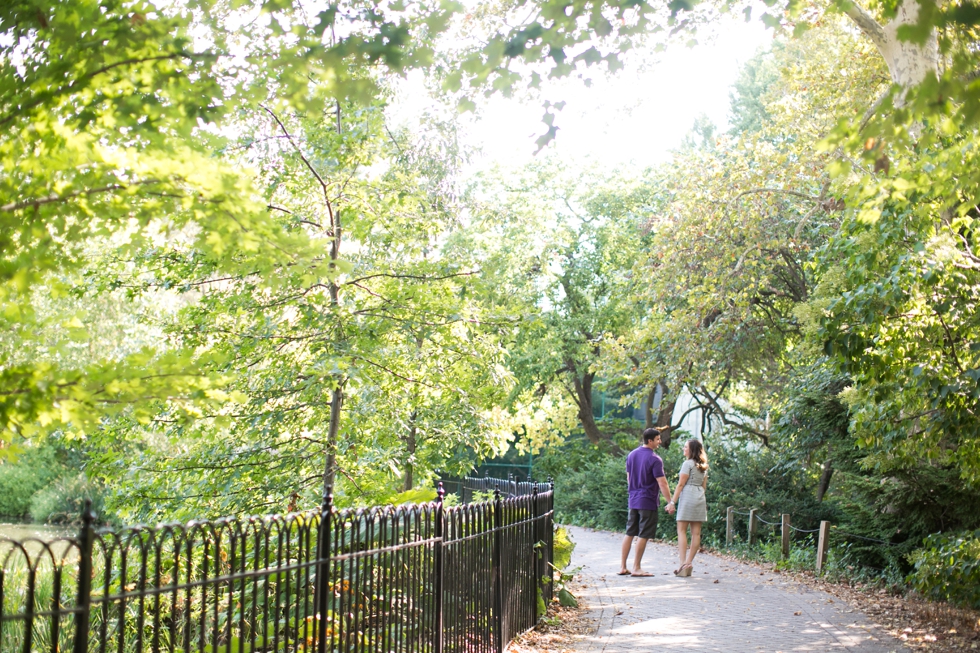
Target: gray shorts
{"type": "Point", "coordinates": [642, 523]}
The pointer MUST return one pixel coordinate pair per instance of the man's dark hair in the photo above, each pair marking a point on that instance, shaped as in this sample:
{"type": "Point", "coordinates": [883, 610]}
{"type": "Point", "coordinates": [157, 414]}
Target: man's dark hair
{"type": "Point", "coordinates": [650, 434]}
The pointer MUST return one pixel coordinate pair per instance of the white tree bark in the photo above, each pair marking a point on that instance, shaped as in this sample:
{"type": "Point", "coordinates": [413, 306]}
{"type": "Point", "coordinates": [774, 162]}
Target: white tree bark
{"type": "Point", "coordinates": [909, 63]}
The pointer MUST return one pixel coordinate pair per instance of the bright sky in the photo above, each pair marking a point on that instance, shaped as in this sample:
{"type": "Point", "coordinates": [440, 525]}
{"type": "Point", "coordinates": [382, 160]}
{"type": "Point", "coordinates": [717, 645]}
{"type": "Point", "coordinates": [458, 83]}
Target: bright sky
{"type": "Point", "coordinates": [632, 119]}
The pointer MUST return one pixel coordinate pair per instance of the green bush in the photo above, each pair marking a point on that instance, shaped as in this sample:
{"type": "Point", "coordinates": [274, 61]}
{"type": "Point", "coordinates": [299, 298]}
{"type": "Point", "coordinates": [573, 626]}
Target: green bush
{"type": "Point", "coordinates": [746, 477]}
{"type": "Point", "coordinates": [62, 501]}
{"type": "Point", "coordinates": [593, 496]}
{"type": "Point", "coordinates": [22, 478]}
{"type": "Point", "coordinates": [577, 452]}
{"type": "Point", "coordinates": [947, 568]}
{"type": "Point", "coordinates": [903, 506]}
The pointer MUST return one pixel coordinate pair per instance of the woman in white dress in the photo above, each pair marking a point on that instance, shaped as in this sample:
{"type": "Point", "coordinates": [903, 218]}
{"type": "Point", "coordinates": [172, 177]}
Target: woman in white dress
{"type": "Point", "coordinates": [692, 511]}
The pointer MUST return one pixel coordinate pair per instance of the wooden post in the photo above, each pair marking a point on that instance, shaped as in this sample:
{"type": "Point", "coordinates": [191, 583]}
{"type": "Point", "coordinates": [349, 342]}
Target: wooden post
{"type": "Point", "coordinates": [786, 535]}
{"type": "Point", "coordinates": [753, 526]}
{"type": "Point", "coordinates": [822, 543]}
{"type": "Point", "coordinates": [729, 525]}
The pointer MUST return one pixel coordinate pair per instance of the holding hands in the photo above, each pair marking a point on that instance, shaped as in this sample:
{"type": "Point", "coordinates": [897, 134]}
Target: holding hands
{"type": "Point", "coordinates": [670, 507]}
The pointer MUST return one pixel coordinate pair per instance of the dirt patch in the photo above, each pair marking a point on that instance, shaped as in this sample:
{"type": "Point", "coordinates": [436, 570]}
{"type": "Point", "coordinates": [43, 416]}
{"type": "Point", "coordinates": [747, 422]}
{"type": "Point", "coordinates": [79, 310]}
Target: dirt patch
{"type": "Point", "coordinates": [921, 625]}
{"type": "Point", "coordinates": [560, 630]}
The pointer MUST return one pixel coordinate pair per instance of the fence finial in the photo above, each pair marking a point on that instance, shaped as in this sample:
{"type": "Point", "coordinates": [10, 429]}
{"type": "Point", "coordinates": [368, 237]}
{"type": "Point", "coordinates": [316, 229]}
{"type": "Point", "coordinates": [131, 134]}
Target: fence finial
{"type": "Point", "coordinates": [441, 492]}
{"type": "Point", "coordinates": [496, 492]}
{"type": "Point", "coordinates": [88, 515]}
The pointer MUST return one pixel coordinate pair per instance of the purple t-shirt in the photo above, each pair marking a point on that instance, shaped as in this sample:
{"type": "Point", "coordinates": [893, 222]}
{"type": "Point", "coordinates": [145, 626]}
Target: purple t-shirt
{"type": "Point", "coordinates": [644, 468]}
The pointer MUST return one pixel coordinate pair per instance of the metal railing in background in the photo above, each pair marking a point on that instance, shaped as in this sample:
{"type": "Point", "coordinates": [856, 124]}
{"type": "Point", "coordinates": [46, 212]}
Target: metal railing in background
{"type": "Point", "coordinates": [424, 578]}
{"type": "Point", "coordinates": [473, 487]}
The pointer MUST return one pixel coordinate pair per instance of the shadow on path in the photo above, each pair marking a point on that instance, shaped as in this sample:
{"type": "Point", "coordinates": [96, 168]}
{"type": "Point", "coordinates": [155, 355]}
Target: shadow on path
{"type": "Point", "coordinates": [723, 606]}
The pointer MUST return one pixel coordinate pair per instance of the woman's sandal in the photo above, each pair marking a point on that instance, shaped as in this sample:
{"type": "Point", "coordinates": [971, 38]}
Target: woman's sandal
{"type": "Point", "coordinates": [685, 570]}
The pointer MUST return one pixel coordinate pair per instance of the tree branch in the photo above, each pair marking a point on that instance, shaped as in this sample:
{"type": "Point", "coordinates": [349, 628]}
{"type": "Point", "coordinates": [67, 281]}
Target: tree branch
{"type": "Point", "coordinates": [53, 199]}
{"type": "Point", "coordinates": [414, 277]}
{"type": "Point", "coordinates": [783, 191]}
{"type": "Point", "coordinates": [867, 24]}
{"type": "Point", "coordinates": [730, 422]}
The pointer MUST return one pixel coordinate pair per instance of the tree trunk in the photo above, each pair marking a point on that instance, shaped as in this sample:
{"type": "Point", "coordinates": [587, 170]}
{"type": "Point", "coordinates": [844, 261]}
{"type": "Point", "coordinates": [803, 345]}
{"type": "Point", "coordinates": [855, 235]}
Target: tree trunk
{"type": "Point", "coordinates": [665, 414]}
{"type": "Point", "coordinates": [651, 398]}
{"type": "Point", "coordinates": [337, 395]}
{"type": "Point", "coordinates": [410, 445]}
{"type": "Point", "coordinates": [330, 466]}
{"type": "Point", "coordinates": [824, 485]}
{"type": "Point", "coordinates": [583, 399]}
{"type": "Point", "coordinates": [908, 62]}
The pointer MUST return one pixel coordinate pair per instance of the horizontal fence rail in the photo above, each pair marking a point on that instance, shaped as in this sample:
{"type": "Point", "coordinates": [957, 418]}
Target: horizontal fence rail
{"type": "Point", "coordinates": [423, 578]}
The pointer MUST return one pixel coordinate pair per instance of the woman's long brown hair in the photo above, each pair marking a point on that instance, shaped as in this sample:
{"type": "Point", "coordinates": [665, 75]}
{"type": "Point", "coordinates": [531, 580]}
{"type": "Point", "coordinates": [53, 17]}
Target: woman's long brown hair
{"type": "Point", "coordinates": [697, 455]}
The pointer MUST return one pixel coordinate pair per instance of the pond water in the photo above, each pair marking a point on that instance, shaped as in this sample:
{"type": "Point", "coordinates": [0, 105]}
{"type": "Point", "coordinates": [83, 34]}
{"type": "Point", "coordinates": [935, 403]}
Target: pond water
{"type": "Point", "coordinates": [35, 531]}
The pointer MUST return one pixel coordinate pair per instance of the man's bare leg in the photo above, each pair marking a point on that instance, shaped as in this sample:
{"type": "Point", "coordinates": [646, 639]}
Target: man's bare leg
{"type": "Point", "coordinates": [627, 544]}
{"type": "Point", "coordinates": [641, 546]}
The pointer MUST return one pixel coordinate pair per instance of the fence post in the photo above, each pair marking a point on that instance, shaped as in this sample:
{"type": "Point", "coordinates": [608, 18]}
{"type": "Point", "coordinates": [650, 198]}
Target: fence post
{"type": "Point", "coordinates": [539, 546]}
{"type": "Point", "coordinates": [439, 570]}
{"type": "Point", "coordinates": [83, 605]}
{"type": "Point", "coordinates": [322, 570]}
{"type": "Point", "coordinates": [549, 533]}
{"type": "Point", "coordinates": [785, 536]}
{"type": "Point", "coordinates": [753, 526]}
{"type": "Point", "coordinates": [498, 589]}
{"type": "Point", "coordinates": [729, 525]}
{"type": "Point", "coordinates": [822, 543]}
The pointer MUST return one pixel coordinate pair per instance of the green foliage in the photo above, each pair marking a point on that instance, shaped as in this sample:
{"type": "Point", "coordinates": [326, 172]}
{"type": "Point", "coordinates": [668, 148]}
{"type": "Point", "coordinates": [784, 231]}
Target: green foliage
{"type": "Point", "coordinates": [947, 568]}
{"type": "Point", "coordinates": [563, 548]}
{"type": "Point", "coordinates": [748, 105]}
{"type": "Point", "coordinates": [415, 495]}
{"type": "Point", "coordinates": [749, 477]}
{"type": "Point", "coordinates": [902, 506]}
{"type": "Point", "coordinates": [594, 495]}
{"type": "Point", "coordinates": [20, 480]}
{"type": "Point", "coordinates": [901, 329]}
{"type": "Point", "coordinates": [813, 415]}
{"type": "Point", "coordinates": [576, 451]}
{"type": "Point", "coordinates": [62, 501]}
{"type": "Point", "coordinates": [565, 266]}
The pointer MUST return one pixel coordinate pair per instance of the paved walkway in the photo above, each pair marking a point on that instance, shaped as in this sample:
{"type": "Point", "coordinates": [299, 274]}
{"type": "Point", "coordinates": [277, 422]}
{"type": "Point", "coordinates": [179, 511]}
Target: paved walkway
{"type": "Point", "coordinates": [723, 606]}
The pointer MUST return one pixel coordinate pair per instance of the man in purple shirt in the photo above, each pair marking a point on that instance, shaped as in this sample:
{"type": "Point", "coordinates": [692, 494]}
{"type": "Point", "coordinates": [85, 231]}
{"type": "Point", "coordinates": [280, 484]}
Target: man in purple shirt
{"type": "Point", "coordinates": [646, 481]}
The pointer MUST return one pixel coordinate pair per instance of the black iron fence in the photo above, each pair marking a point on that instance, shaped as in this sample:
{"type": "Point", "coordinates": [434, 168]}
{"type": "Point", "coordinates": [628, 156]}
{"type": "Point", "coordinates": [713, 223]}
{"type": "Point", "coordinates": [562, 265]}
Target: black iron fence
{"type": "Point", "coordinates": [477, 488]}
{"type": "Point", "coordinates": [424, 578]}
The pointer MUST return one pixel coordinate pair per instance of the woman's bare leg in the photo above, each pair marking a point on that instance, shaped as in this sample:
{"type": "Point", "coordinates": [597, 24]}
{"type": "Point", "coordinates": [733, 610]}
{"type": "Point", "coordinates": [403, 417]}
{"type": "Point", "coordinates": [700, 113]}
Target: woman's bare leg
{"type": "Point", "coordinates": [695, 541]}
{"type": "Point", "coordinates": [682, 541]}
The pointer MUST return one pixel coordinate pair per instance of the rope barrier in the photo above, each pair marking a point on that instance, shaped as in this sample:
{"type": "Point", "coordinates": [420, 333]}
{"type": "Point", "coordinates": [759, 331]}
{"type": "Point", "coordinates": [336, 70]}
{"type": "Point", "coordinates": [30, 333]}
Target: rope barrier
{"type": "Point", "coordinates": [817, 530]}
